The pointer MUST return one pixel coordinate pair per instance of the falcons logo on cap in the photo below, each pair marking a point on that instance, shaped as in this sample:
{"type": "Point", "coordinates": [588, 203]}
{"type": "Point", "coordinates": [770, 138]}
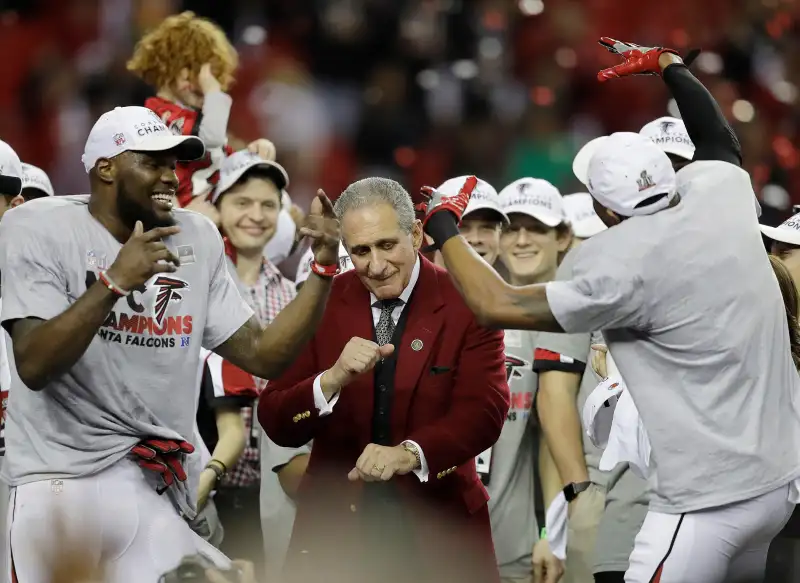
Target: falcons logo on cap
{"type": "Point", "coordinates": [167, 293]}
{"type": "Point", "coordinates": [666, 126]}
{"type": "Point", "coordinates": [512, 365]}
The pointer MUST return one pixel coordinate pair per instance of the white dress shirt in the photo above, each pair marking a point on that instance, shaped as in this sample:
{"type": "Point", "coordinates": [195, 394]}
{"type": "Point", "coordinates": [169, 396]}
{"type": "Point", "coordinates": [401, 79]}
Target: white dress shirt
{"type": "Point", "coordinates": [325, 407]}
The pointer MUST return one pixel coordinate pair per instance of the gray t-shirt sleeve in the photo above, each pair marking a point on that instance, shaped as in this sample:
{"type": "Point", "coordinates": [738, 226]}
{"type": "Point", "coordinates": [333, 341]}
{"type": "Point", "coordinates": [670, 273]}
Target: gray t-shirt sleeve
{"type": "Point", "coordinates": [605, 292]}
{"type": "Point", "coordinates": [34, 283]}
{"type": "Point", "coordinates": [565, 352]}
{"type": "Point", "coordinates": [227, 309]}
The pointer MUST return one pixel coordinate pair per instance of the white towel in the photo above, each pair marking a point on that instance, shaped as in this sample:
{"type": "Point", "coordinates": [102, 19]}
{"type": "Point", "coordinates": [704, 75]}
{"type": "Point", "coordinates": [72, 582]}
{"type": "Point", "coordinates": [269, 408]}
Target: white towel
{"type": "Point", "coordinates": [613, 424]}
{"type": "Point", "coordinates": [555, 521]}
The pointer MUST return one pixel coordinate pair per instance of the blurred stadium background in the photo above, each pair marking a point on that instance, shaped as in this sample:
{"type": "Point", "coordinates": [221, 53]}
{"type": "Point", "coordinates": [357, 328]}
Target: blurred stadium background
{"type": "Point", "coordinates": [420, 90]}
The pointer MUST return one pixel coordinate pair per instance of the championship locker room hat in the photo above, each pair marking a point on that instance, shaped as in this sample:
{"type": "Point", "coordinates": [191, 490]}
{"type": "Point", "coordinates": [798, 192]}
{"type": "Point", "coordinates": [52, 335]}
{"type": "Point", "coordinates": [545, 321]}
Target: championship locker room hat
{"type": "Point", "coordinates": [484, 196]}
{"type": "Point", "coordinates": [787, 232]}
{"type": "Point", "coordinates": [536, 198]}
{"type": "Point", "coordinates": [35, 177]}
{"type": "Point", "coordinates": [136, 129]}
{"type": "Point", "coordinates": [10, 171]}
{"type": "Point", "coordinates": [304, 267]}
{"type": "Point", "coordinates": [235, 166]}
{"type": "Point", "coordinates": [579, 209]}
{"type": "Point", "coordinates": [669, 134]}
{"type": "Point", "coordinates": [628, 170]}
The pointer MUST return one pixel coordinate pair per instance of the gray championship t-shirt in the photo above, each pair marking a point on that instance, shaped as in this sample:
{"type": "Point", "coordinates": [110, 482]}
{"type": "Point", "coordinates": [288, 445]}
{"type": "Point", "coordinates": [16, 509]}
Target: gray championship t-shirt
{"type": "Point", "coordinates": [511, 478]}
{"type": "Point", "coordinates": [138, 377]}
{"type": "Point", "coordinates": [690, 308]}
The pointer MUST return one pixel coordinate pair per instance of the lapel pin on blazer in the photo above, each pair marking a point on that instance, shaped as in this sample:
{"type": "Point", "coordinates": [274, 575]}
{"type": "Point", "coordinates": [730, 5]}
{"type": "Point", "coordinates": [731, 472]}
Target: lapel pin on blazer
{"type": "Point", "coordinates": [416, 345]}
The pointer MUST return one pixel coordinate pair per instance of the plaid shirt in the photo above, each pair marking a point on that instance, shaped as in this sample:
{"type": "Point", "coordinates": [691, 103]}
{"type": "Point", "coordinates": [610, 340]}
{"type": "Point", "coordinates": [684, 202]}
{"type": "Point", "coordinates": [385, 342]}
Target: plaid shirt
{"type": "Point", "coordinates": [268, 296]}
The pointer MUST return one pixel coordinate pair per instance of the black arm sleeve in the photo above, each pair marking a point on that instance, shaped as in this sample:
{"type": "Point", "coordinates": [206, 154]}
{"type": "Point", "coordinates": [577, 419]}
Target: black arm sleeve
{"type": "Point", "coordinates": [713, 138]}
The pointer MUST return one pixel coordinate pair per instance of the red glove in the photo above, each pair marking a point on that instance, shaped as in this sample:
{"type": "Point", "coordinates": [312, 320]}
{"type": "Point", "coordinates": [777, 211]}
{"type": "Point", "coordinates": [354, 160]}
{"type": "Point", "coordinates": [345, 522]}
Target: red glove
{"type": "Point", "coordinates": [436, 201]}
{"type": "Point", "coordinates": [637, 60]}
{"type": "Point", "coordinates": [163, 456]}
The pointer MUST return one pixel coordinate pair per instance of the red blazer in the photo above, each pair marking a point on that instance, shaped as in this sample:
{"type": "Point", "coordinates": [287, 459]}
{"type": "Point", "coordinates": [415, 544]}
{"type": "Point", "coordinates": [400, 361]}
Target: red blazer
{"type": "Point", "coordinates": [451, 397]}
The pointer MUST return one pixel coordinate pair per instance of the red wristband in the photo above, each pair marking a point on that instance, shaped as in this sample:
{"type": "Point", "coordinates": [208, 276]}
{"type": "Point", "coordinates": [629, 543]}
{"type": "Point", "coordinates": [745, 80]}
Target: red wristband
{"type": "Point", "coordinates": [103, 276]}
{"type": "Point", "coordinates": [325, 270]}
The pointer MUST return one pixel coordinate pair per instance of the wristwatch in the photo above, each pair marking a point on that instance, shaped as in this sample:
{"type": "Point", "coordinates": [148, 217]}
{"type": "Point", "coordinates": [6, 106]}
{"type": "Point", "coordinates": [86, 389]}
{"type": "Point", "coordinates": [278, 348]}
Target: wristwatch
{"type": "Point", "coordinates": [572, 490]}
{"type": "Point", "coordinates": [412, 449]}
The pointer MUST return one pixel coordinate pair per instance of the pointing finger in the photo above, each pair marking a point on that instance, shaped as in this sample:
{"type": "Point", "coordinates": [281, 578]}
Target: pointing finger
{"type": "Point", "coordinates": [327, 205]}
{"type": "Point", "coordinates": [161, 233]}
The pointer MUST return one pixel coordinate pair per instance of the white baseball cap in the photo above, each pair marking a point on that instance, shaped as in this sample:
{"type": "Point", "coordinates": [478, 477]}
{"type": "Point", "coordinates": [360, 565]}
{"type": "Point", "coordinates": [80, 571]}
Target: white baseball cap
{"type": "Point", "coordinates": [580, 214]}
{"type": "Point", "coordinates": [787, 232]}
{"type": "Point", "coordinates": [536, 198]}
{"type": "Point", "coordinates": [136, 129]}
{"type": "Point", "coordinates": [304, 267]}
{"type": "Point", "coordinates": [10, 171]}
{"type": "Point", "coordinates": [484, 196]}
{"type": "Point", "coordinates": [629, 169]}
{"type": "Point", "coordinates": [235, 165]}
{"type": "Point", "coordinates": [669, 134]}
{"type": "Point", "coordinates": [35, 177]}
{"type": "Point", "coordinates": [580, 165]}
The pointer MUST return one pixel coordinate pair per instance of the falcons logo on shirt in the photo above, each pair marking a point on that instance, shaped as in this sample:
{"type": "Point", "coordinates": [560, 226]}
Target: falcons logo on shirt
{"type": "Point", "coordinates": [513, 366]}
{"type": "Point", "coordinates": [167, 293]}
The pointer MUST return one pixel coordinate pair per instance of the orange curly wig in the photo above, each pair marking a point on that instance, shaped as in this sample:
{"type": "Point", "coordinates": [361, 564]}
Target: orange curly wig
{"type": "Point", "coordinates": [183, 41]}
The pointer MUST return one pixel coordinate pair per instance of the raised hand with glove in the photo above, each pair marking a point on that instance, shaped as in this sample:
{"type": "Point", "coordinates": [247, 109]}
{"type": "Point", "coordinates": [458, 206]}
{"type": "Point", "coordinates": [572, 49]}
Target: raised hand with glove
{"type": "Point", "coordinates": [442, 225]}
{"type": "Point", "coordinates": [639, 60]}
{"type": "Point", "coordinates": [165, 457]}
{"type": "Point", "coordinates": [707, 127]}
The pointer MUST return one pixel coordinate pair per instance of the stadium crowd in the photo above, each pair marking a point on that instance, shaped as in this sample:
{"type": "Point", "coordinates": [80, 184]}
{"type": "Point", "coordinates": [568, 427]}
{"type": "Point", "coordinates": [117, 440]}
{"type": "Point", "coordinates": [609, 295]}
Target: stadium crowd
{"type": "Point", "coordinates": [295, 99]}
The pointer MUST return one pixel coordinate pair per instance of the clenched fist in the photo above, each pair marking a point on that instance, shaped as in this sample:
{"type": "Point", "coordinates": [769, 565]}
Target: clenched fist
{"type": "Point", "coordinates": [359, 356]}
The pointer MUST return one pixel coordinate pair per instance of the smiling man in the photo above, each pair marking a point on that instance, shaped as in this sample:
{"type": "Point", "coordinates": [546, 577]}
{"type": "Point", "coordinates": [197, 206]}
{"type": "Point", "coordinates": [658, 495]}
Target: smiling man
{"type": "Point", "coordinates": [108, 299]}
{"type": "Point", "coordinates": [399, 390]}
{"type": "Point", "coordinates": [249, 200]}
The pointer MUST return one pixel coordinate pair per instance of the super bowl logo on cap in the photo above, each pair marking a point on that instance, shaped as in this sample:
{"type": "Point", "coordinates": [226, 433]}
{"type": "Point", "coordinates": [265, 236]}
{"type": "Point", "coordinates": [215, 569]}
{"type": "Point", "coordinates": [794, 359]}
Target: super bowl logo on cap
{"type": "Point", "coordinates": [645, 181]}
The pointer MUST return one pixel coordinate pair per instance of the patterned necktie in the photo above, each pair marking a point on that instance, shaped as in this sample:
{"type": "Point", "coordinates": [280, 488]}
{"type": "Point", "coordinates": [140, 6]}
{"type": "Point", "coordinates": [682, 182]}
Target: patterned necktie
{"type": "Point", "coordinates": [385, 327]}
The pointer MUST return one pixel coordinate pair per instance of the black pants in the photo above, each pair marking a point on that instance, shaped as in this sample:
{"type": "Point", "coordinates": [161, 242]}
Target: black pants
{"type": "Point", "coordinates": [240, 515]}
{"type": "Point", "coordinates": [610, 577]}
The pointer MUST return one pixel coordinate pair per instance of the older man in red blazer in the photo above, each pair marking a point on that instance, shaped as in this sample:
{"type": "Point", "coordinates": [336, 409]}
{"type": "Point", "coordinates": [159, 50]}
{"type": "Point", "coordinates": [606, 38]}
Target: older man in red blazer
{"type": "Point", "coordinates": [400, 389]}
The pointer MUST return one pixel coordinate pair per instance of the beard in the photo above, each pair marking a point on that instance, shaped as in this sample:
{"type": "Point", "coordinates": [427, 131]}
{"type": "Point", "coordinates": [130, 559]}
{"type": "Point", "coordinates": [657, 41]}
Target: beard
{"type": "Point", "coordinates": [131, 210]}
